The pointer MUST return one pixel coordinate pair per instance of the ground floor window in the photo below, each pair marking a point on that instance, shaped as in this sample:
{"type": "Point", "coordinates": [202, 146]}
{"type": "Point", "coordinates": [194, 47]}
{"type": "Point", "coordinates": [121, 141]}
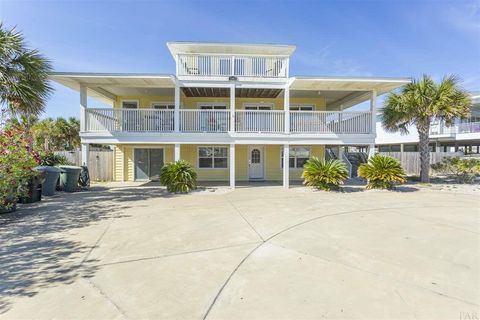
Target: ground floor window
{"type": "Point", "coordinates": [298, 157]}
{"type": "Point", "coordinates": [212, 157]}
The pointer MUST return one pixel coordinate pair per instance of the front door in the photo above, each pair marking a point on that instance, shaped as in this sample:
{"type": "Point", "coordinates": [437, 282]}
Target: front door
{"type": "Point", "coordinates": [148, 163]}
{"type": "Point", "coordinates": [255, 163]}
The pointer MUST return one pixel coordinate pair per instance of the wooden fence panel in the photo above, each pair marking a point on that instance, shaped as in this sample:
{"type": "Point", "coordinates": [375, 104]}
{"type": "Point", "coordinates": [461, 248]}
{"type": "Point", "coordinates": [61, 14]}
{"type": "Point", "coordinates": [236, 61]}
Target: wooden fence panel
{"type": "Point", "coordinates": [411, 160]}
{"type": "Point", "coordinates": [100, 165]}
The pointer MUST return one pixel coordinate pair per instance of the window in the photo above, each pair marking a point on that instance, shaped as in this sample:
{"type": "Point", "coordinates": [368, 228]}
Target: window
{"type": "Point", "coordinates": [302, 108]}
{"type": "Point", "coordinates": [213, 107]}
{"type": "Point", "coordinates": [130, 104]}
{"type": "Point", "coordinates": [163, 106]}
{"type": "Point", "coordinates": [298, 157]}
{"type": "Point", "coordinates": [212, 157]}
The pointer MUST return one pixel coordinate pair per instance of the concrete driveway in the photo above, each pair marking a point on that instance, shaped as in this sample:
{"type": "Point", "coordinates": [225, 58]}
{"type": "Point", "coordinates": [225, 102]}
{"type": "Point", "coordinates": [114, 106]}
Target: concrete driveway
{"type": "Point", "coordinates": [254, 253]}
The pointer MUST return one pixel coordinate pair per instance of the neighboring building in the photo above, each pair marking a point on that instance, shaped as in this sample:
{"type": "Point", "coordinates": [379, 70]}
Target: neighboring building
{"type": "Point", "coordinates": [232, 110]}
{"type": "Point", "coordinates": [463, 135]}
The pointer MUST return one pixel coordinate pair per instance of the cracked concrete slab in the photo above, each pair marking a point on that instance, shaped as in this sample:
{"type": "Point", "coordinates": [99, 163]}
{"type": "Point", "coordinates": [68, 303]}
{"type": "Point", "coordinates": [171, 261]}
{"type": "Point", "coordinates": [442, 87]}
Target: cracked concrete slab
{"type": "Point", "coordinates": [253, 253]}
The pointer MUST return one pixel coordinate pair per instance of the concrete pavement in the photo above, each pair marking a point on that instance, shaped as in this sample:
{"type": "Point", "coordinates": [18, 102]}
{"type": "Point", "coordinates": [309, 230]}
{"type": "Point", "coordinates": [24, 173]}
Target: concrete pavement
{"type": "Point", "coordinates": [124, 252]}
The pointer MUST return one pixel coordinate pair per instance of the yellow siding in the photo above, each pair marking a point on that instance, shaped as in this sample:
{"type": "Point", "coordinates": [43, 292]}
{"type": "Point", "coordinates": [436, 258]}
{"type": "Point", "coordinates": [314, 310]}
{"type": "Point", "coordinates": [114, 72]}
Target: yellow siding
{"type": "Point", "coordinates": [192, 102]}
{"type": "Point", "coordinates": [272, 153]}
{"type": "Point", "coordinates": [117, 165]}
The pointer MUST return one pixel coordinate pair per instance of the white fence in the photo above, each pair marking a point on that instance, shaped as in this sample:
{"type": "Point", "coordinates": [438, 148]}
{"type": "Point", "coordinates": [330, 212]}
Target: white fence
{"type": "Point", "coordinates": [100, 165]}
{"type": "Point", "coordinates": [330, 122]}
{"type": "Point", "coordinates": [204, 120]}
{"type": "Point", "coordinates": [225, 65]}
{"type": "Point", "coordinates": [211, 121]}
{"type": "Point", "coordinates": [259, 121]}
{"type": "Point", "coordinates": [410, 161]}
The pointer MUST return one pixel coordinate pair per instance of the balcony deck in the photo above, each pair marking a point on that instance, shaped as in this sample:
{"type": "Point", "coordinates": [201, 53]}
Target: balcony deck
{"type": "Point", "coordinates": [215, 124]}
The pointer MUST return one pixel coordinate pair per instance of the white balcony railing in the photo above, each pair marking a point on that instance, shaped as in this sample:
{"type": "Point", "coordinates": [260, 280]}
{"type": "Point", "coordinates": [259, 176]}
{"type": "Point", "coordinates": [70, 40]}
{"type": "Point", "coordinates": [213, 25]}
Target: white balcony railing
{"type": "Point", "coordinates": [330, 122]}
{"type": "Point", "coordinates": [212, 121]}
{"type": "Point", "coordinates": [259, 121]}
{"type": "Point", "coordinates": [204, 120]}
{"type": "Point", "coordinates": [239, 66]}
{"type": "Point", "coordinates": [466, 126]}
{"type": "Point", "coordinates": [140, 120]}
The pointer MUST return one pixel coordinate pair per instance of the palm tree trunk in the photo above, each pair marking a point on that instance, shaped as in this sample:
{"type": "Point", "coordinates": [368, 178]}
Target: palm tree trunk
{"type": "Point", "coordinates": [424, 139]}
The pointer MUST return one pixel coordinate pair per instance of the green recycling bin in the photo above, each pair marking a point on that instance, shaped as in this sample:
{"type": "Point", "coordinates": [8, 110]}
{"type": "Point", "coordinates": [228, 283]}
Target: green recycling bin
{"type": "Point", "coordinates": [69, 178]}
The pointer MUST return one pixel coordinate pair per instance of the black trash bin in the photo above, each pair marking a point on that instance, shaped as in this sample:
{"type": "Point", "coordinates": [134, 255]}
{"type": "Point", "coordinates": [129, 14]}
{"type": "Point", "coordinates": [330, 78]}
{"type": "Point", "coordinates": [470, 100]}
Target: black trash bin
{"type": "Point", "coordinates": [34, 189]}
{"type": "Point", "coordinates": [69, 178]}
{"type": "Point", "coordinates": [51, 177]}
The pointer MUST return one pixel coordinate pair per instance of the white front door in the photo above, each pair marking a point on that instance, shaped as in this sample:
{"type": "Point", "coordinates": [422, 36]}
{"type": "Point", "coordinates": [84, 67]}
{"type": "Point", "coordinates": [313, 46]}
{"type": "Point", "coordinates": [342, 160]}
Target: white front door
{"type": "Point", "coordinates": [255, 162]}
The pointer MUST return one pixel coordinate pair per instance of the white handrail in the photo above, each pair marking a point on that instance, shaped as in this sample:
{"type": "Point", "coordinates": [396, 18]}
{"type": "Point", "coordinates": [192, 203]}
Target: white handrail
{"type": "Point", "coordinates": [330, 122]}
{"type": "Point", "coordinates": [348, 164]}
{"type": "Point", "coordinates": [229, 65]}
{"type": "Point", "coordinates": [271, 121]}
{"type": "Point", "coordinates": [204, 120]}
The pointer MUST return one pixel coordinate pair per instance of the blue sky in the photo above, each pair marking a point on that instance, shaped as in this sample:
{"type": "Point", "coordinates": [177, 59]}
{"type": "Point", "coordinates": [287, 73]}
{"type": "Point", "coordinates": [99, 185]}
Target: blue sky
{"type": "Point", "coordinates": [338, 38]}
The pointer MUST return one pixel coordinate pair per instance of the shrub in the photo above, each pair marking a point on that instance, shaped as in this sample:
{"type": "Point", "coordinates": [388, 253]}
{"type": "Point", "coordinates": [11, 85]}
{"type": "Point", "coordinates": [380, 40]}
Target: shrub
{"type": "Point", "coordinates": [382, 172]}
{"type": "Point", "coordinates": [325, 175]}
{"type": "Point", "coordinates": [179, 177]}
{"type": "Point", "coordinates": [464, 170]}
{"type": "Point", "coordinates": [49, 158]}
{"type": "Point", "coordinates": [17, 160]}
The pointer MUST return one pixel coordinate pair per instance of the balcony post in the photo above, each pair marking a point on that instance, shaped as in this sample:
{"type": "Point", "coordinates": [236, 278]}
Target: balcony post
{"type": "Point", "coordinates": [83, 107]}
{"type": "Point", "coordinates": [176, 111]}
{"type": "Point", "coordinates": [85, 154]}
{"type": "Point", "coordinates": [286, 107]}
{"type": "Point", "coordinates": [373, 110]}
{"type": "Point", "coordinates": [232, 166]}
{"type": "Point", "coordinates": [286, 166]}
{"type": "Point", "coordinates": [232, 108]}
{"type": "Point", "coordinates": [177, 152]}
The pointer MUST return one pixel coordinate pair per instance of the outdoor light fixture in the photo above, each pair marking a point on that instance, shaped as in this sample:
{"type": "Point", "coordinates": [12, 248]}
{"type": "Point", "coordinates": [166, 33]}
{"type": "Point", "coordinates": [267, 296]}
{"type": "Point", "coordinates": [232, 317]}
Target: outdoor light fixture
{"type": "Point", "coordinates": [232, 78]}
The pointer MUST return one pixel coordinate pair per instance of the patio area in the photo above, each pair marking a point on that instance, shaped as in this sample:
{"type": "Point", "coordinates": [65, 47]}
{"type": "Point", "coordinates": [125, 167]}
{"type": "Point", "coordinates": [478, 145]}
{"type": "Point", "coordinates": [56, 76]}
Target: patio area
{"type": "Point", "coordinates": [123, 250]}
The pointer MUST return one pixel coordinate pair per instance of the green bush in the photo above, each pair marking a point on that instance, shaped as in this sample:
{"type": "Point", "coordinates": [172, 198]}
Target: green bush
{"type": "Point", "coordinates": [325, 175]}
{"type": "Point", "coordinates": [49, 158]}
{"type": "Point", "coordinates": [464, 170]}
{"type": "Point", "coordinates": [179, 177]}
{"type": "Point", "coordinates": [382, 172]}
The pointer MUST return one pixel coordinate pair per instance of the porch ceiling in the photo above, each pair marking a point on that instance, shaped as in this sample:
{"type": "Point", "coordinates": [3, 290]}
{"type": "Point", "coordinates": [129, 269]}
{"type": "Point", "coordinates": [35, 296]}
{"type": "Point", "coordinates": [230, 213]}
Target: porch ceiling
{"type": "Point", "coordinates": [225, 92]}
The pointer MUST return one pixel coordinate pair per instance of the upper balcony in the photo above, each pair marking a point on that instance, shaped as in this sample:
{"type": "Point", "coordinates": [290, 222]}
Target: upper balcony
{"type": "Point", "coordinates": [223, 61]}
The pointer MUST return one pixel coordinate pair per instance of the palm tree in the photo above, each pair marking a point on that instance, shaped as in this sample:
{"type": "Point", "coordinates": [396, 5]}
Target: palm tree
{"type": "Point", "coordinates": [418, 103]}
{"type": "Point", "coordinates": [24, 86]}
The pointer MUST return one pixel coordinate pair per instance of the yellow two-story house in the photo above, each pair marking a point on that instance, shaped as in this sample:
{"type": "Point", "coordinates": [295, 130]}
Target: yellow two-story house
{"type": "Point", "coordinates": [232, 110]}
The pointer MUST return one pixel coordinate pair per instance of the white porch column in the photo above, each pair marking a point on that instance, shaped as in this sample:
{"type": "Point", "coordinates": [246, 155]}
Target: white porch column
{"type": "Point", "coordinates": [177, 152]}
{"type": "Point", "coordinates": [340, 153]}
{"type": "Point", "coordinates": [83, 107]}
{"type": "Point", "coordinates": [232, 108]}
{"type": "Point", "coordinates": [85, 154]}
{"type": "Point", "coordinates": [176, 111]}
{"type": "Point", "coordinates": [371, 150]}
{"type": "Point", "coordinates": [286, 166]}
{"type": "Point", "coordinates": [373, 109]}
{"type": "Point", "coordinates": [232, 166]}
{"type": "Point", "coordinates": [286, 108]}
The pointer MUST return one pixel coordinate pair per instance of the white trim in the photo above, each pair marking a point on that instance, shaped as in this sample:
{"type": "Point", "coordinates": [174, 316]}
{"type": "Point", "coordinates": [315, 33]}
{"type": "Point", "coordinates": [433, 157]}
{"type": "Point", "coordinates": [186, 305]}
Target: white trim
{"type": "Point", "coordinates": [130, 101]}
{"type": "Point", "coordinates": [165, 103]}
{"type": "Point", "coordinates": [231, 156]}
{"type": "Point", "coordinates": [213, 104]}
{"type": "Point", "coordinates": [213, 157]}
{"type": "Point", "coordinates": [271, 105]}
{"type": "Point", "coordinates": [143, 147]}
{"type": "Point", "coordinates": [123, 163]}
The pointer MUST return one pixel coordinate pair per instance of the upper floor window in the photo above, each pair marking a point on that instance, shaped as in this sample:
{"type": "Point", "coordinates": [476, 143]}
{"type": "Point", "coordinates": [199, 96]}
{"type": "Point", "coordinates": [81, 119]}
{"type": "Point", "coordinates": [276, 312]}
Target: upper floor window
{"type": "Point", "coordinates": [213, 107]}
{"type": "Point", "coordinates": [302, 108]}
{"type": "Point", "coordinates": [163, 106]}
{"type": "Point", "coordinates": [133, 104]}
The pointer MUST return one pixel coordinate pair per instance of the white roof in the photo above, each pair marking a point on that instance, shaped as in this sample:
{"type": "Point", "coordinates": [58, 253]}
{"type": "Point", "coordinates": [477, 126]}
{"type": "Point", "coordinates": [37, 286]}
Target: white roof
{"type": "Point", "coordinates": [230, 48]}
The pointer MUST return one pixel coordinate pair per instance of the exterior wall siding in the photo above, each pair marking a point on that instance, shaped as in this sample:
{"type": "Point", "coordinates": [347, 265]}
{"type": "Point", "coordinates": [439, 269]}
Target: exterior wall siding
{"type": "Point", "coordinates": [192, 102]}
{"type": "Point", "coordinates": [189, 152]}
